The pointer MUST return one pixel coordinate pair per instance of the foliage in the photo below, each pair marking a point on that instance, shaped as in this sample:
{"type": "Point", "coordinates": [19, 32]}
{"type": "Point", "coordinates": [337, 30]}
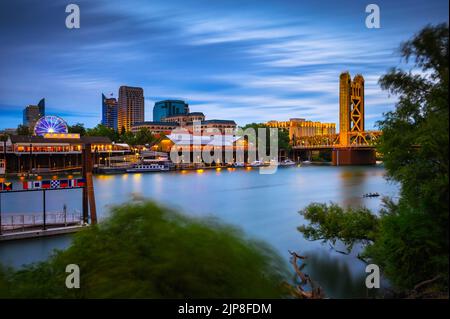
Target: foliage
{"type": "Point", "coordinates": [145, 251]}
{"type": "Point", "coordinates": [102, 130]}
{"type": "Point", "coordinates": [409, 239]}
{"type": "Point", "coordinates": [332, 223]}
{"type": "Point", "coordinates": [144, 136]}
{"type": "Point", "coordinates": [77, 128]}
{"type": "Point", "coordinates": [23, 130]}
{"type": "Point", "coordinates": [283, 135]}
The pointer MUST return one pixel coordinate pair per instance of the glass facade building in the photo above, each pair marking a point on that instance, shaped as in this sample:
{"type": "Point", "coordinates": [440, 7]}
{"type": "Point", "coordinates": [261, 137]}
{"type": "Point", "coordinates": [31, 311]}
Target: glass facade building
{"type": "Point", "coordinates": [168, 108]}
{"type": "Point", "coordinates": [109, 112]}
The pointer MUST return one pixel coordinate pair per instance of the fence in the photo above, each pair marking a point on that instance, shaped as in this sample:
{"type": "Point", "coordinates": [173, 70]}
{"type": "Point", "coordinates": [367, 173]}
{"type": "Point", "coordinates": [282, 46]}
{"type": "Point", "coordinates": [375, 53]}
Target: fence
{"type": "Point", "coordinates": [19, 222]}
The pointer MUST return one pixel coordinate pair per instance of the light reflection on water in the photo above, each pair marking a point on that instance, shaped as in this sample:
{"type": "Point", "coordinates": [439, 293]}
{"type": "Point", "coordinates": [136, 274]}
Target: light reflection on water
{"type": "Point", "coordinates": [265, 206]}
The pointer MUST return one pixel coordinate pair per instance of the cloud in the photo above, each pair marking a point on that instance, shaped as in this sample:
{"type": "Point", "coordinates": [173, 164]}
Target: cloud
{"type": "Point", "coordinates": [251, 61]}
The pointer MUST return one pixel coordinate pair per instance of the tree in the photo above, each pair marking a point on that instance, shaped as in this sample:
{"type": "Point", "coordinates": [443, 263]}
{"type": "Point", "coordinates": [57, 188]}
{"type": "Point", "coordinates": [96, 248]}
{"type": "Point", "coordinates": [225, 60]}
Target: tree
{"type": "Point", "coordinates": [283, 136]}
{"type": "Point", "coordinates": [77, 128]}
{"type": "Point", "coordinates": [408, 239]}
{"type": "Point", "coordinates": [23, 130]}
{"type": "Point", "coordinates": [102, 130]}
{"type": "Point", "coordinates": [146, 251]}
{"type": "Point", "coordinates": [144, 136]}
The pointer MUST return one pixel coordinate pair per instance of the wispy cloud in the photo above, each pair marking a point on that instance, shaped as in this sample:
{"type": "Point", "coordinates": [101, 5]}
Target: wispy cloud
{"type": "Point", "coordinates": [248, 61]}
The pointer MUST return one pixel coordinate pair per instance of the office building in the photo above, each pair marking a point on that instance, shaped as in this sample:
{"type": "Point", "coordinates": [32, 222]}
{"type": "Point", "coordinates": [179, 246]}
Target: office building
{"type": "Point", "coordinates": [109, 112]}
{"type": "Point", "coordinates": [166, 108]}
{"type": "Point", "coordinates": [130, 107]}
{"type": "Point", "coordinates": [180, 117]}
{"type": "Point", "coordinates": [32, 113]}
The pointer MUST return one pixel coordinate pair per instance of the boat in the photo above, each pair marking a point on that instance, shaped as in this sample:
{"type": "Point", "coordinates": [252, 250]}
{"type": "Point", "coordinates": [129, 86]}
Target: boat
{"type": "Point", "coordinates": [371, 195]}
{"type": "Point", "coordinates": [111, 170]}
{"type": "Point", "coordinates": [287, 162]}
{"type": "Point", "coordinates": [142, 168]}
{"type": "Point", "coordinates": [256, 164]}
{"type": "Point", "coordinates": [238, 164]}
{"type": "Point", "coordinates": [306, 162]}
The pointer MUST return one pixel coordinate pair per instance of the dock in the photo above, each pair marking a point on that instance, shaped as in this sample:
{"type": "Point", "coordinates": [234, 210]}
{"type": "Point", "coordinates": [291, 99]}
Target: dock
{"type": "Point", "coordinates": [37, 233]}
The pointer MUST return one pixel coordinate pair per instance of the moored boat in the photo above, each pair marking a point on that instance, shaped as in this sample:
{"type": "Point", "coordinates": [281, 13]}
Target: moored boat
{"type": "Point", "coordinates": [142, 168]}
{"type": "Point", "coordinates": [287, 162]}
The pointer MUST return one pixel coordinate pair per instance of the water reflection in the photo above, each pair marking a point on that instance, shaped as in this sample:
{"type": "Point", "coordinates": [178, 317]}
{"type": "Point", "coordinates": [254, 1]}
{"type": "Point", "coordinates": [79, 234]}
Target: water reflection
{"type": "Point", "coordinates": [264, 206]}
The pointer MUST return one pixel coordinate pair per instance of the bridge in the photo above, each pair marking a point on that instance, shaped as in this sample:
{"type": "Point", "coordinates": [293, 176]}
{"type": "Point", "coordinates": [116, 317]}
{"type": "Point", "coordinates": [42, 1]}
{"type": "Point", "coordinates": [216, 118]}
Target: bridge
{"type": "Point", "coordinates": [352, 145]}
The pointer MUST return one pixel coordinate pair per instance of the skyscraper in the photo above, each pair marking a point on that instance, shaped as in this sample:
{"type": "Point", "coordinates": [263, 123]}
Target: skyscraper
{"type": "Point", "coordinates": [109, 112]}
{"type": "Point", "coordinates": [131, 107]}
{"type": "Point", "coordinates": [32, 113]}
{"type": "Point", "coordinates": [169, 108]}
{"type": "Point", "coordinates": [41, 106]}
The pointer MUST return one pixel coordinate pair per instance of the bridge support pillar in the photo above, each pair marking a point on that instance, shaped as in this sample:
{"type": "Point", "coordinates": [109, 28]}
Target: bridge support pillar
{"type": "Point", "coordinates": [353, 156]}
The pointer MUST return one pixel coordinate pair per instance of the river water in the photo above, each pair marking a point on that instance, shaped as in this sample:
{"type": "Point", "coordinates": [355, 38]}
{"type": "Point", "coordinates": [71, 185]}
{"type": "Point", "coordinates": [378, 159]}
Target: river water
{"type": "Point", "coordinates": [264, 206]}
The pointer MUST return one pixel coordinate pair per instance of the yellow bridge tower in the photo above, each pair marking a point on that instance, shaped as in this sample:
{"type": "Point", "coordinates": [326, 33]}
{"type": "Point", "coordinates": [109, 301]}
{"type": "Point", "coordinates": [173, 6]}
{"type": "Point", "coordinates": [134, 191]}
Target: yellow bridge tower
{"type": "Point", "coordinates": [351, 107]}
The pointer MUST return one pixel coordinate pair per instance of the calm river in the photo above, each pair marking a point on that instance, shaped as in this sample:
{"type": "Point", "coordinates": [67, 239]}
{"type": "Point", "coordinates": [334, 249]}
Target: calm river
{"type": "Point", "coordinates": [264, 206]}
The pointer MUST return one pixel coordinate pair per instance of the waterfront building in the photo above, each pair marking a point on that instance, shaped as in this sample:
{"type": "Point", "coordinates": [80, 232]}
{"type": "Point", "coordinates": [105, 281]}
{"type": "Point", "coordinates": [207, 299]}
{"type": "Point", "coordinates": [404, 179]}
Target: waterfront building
{"type": "Point", "coordinates": [155, 127]}
{"type": "Point", "coordinates": [183, 119]}
{"type": "Point", "coordinates": [224, 126]}
{"type": "Point", "coordinates": [109, 112]}
{"type": "Point", "coordinates": [130, 107]}
{"type": "Point", "coordinates": [55, 151]}
{"type": "Point", "coordinates": [167, 108]}
{"type": "Point", "coordinates": [300, 127]}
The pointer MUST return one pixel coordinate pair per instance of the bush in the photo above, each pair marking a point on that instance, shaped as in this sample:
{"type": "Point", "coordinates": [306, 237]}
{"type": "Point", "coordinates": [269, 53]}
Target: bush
{"type": "Point", "coordinates": [145, 251]}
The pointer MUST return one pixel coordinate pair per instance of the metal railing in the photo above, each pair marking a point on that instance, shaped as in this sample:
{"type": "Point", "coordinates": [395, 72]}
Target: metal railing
{"type": "Point", "coordinates": [21, 222]}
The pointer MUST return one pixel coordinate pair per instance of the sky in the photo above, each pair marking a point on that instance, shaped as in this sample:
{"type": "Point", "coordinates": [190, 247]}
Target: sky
{"type": "Point", "coordinates": [246, 60]}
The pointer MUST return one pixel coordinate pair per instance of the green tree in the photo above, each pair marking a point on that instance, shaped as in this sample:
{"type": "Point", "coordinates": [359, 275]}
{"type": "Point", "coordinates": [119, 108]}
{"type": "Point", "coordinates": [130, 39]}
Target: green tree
{"type": "Point", "coordinates": [408, 239]}
{"type": "Point", "coordinates": [144, 136]}
{"type": "Point", "coordinates": [77, 128]}
{"type": "Point", "coordinates": [102, 130]}
{"type": "Point", "coordinates": [23, 130]}
{"type": "Point", "coordinates": [145, 251]}
{"type": "Point", "coordinates": [283, 135]}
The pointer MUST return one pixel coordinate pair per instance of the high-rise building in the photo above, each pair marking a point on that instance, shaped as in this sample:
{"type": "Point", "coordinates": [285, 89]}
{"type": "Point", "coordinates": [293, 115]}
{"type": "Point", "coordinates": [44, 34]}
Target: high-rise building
{"type": "Point", "coordinates": [41, 106]}
{"type": "Point", "coordinates": [131, 107]}
{"type": "Point", "coordinates": [109, 112]}
{"type": "Point", "coordinates": [169, 108]}
{"type": "Point", "coordinates": [32, 113]}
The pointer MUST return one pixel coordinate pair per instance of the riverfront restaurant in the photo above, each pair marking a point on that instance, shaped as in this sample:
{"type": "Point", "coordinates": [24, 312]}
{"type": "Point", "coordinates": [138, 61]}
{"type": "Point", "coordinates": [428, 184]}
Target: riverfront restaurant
{"type": "Point", "coordinates": [55, 151]}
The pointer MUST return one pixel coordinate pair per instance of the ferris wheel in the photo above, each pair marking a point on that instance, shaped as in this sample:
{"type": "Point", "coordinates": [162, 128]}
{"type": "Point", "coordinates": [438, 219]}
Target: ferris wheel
{"type": "Point", "coordinates": [50, 124]}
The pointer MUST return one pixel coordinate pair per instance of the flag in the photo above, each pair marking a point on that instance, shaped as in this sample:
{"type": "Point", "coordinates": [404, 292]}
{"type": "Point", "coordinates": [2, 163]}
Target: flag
{"type": "Point", "coordinates": [63, 183]}
{"type": "Point", "coordinates": [46, 184]}
{"type": "Point", "coordinates": [37, 184]}
{"type": "Point", "coordinates": [81, 182]}
{"type": "Point", "coordinates": [27, 185]}
{"type": "Point", "coordinates": [55, 183]}
{"type": "Point", "coordinates": [72, 183]}
{"type": "Point", "coordinates": [6, 186]}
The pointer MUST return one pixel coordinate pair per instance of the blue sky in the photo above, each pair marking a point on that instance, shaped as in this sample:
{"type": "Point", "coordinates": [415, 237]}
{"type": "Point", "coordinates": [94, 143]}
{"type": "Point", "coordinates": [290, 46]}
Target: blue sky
{"type": "Point", "coordinates": [245, 60]}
